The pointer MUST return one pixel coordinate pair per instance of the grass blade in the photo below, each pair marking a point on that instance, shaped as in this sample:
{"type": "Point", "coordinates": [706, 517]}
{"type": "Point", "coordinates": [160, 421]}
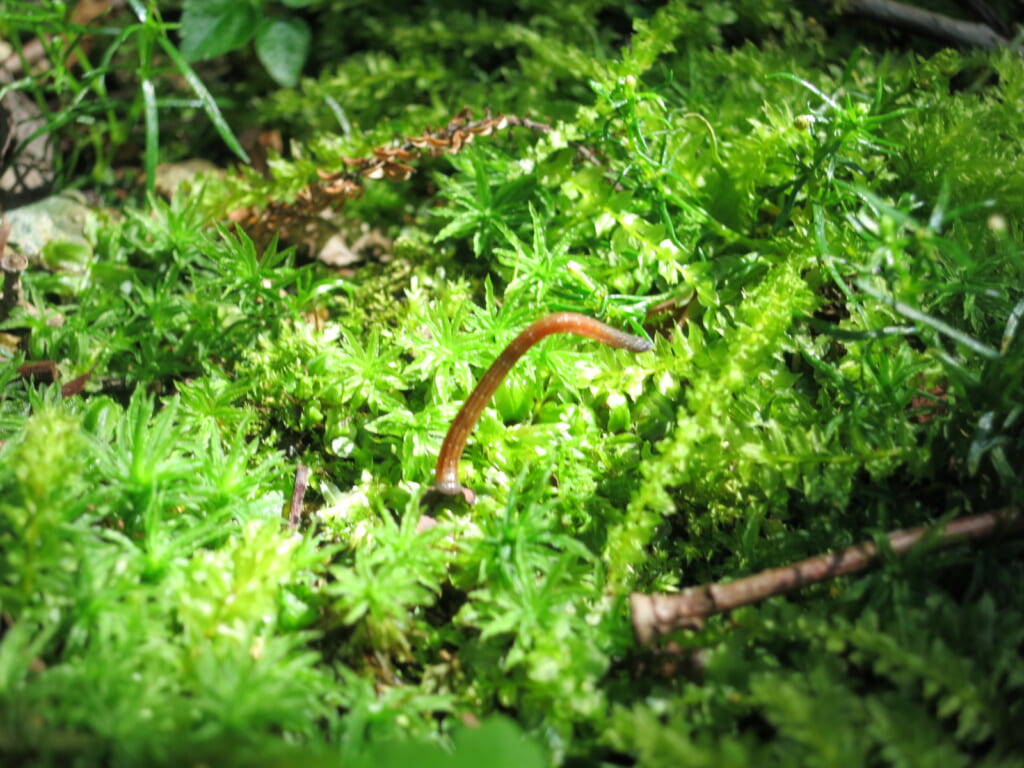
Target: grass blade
{"type": "Point", "coordinates": [209, 105]}
{"type": "Point", "coordinates": [932, 322]}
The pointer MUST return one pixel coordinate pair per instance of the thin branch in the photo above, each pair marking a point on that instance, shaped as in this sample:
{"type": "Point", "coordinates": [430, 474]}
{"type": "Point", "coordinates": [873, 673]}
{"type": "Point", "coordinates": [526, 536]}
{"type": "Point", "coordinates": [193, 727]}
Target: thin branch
{"type": "Point", "coordinates": [989, 15]}
{"type": "Point", "coordinates": [42, 371]}
{"type": "Point", "coordinates": [659, 614]}
{"type": "Point", "coordinates": [77, 385]}
{"type": "Point", "coordinates": [934, 25]}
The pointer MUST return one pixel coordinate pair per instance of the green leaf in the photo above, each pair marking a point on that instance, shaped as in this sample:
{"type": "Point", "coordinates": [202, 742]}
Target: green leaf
{"type": "Point", "coordinates": [282, 46]}
{"type": "Point", "coordinates": [212, 27]}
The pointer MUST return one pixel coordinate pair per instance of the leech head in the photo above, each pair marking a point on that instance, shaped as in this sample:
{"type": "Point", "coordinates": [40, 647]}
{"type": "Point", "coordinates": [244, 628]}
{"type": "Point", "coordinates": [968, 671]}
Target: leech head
{"type": "Point", "coordinates": [638, 344]}
{"type": "Point", "coordinates": [450, 486]}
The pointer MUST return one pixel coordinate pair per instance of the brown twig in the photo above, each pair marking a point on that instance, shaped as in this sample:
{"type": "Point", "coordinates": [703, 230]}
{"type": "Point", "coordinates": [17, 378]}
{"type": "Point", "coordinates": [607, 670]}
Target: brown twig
{"type": "Point", "coordinates": [77, 385]}
{"type": "Point", "coordinates": [298, 494]}
{"type": "Point", "coordinates": [41, 371]}
{"type": "Point", "coordinates": [658, 614]}
{"type": "Point", "coordinates": [934, 25]}
{"type": "Point", "coordinates": [48, 372]}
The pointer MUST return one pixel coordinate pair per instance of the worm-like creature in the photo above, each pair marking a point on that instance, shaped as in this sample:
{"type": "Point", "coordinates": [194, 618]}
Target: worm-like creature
{"type": "Point", "coordinates": [446, 476]}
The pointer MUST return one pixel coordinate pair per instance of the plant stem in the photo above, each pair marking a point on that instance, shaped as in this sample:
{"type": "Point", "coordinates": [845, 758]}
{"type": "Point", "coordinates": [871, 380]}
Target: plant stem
{"type": "Point", "coordinates": [658, 614]}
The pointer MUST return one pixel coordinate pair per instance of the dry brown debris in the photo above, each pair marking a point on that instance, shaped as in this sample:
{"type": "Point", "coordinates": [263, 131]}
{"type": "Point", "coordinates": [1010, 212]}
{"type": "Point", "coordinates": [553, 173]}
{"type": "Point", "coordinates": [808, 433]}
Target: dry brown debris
{"type": "Point", "coordinates": [301, 219]}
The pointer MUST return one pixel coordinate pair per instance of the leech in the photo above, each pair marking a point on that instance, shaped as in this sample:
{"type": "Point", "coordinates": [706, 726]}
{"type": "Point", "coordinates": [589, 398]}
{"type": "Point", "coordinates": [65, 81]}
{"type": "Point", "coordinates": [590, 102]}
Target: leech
{"type": "Point", "coordinates": [446, 476]}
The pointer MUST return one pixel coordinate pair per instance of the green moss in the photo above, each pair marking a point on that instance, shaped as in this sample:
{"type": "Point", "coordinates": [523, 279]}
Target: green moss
{"type": "Point", "coordinates": [850, 256]}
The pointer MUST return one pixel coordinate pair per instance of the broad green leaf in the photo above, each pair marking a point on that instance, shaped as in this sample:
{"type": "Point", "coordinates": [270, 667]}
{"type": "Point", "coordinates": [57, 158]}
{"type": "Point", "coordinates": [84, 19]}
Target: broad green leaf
{"type": "Point", "coordinates": [212, 27]}
{"type": "Point", "coordinates": [282, 46]}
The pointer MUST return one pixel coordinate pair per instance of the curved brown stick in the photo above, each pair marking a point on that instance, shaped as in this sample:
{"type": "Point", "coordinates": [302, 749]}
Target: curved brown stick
{"type": "Point", "coordinates": [446, 476]}
{"type": "Point", "coordinates": [658, 614]}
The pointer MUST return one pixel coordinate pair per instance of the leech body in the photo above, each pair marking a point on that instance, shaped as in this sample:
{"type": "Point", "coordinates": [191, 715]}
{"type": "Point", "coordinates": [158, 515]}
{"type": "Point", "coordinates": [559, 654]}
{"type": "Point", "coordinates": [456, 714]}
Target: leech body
{"type": "Point", "coordinates": [446, 476]}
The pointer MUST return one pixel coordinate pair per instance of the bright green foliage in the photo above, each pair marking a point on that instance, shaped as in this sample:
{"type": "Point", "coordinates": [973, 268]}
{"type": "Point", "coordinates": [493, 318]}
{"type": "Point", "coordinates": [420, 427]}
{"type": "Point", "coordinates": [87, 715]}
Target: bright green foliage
{"type": "Point", "coordinates": [395, 573]}
{"type": "Point", "coordinates": [849, 253]}
{"type": "Point", "coordinates": [167, 298]}
{"type": "Point", "coordinates": [144, 572]}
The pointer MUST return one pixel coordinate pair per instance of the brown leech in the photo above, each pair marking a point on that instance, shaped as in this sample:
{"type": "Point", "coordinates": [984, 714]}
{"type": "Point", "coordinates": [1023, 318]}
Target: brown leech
{"type": "Point", "coordinates": [446, 476]}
